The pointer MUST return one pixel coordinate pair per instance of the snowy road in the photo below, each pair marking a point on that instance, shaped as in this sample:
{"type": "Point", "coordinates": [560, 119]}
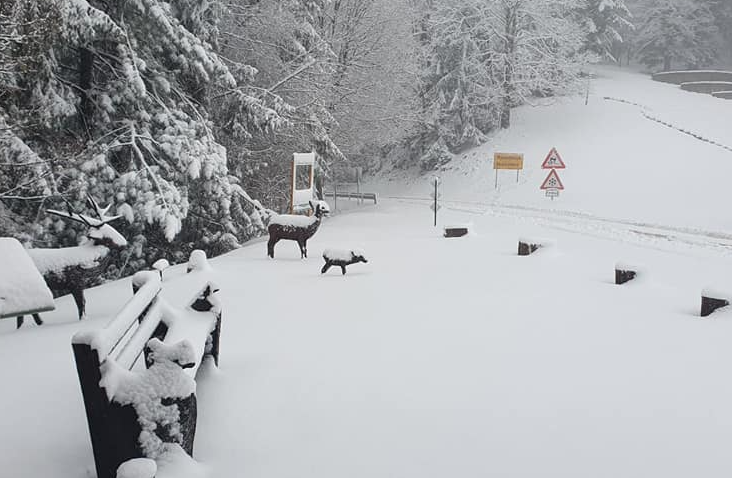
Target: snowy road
{"type": "Point", "coordinates": [651, 235]}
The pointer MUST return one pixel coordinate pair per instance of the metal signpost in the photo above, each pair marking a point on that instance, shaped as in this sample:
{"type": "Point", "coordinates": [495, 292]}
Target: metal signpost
{"type": "Point", "coordinates": [435, 197]}
{"type": "Point", "coordinates": [508, 161]}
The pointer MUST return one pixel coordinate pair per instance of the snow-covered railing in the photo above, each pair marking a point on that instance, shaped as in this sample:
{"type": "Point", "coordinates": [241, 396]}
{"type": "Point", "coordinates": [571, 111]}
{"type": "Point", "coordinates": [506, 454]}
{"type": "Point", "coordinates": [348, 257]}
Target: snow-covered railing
{"type": "Point", "coordinates": [707, 87]}
{"type": "Point", "coordinates": [139, 408]}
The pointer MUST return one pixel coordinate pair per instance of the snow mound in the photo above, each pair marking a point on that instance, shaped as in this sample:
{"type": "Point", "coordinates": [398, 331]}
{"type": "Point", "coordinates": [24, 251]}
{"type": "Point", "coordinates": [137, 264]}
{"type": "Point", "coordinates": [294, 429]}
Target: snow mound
{"type": "Point", "coordinates": [56, 260]}
{"type": "Point", "coordinates": [541, 241]}
{"type": "Point", "coordinates": [198, 261]}
{"type": "Point", "coordinates": [629, 266]}
{"type": "Point", "coordinates": [293, 220]}
{"type": "Point", "coordinates": [137, 468]}
{"type": "Point", "coordinates": [161, 265]}
{"type": "Point", "coordinates": [342, 254]}
{"type": "Point", "coordinates": [717, 293]}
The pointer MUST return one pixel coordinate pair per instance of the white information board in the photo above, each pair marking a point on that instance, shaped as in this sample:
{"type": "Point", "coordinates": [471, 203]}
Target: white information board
{"type": "Point", "coordinates": [301, 197]}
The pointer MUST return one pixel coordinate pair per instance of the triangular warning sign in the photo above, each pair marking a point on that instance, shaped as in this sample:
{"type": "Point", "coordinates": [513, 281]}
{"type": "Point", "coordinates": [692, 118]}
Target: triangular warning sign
{"type": "Point", "coordinates": [552, 181]}
{"type": "Point", "coordinates": [553, 160]}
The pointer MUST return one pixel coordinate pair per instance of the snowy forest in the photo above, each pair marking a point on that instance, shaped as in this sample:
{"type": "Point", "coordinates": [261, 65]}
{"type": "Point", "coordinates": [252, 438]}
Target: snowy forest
{"type": "Point", "coordinates": [184, 114]}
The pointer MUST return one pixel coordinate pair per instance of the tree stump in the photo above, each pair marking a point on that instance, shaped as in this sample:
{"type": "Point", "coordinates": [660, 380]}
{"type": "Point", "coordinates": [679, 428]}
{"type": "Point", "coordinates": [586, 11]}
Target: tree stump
{"type": "Point", "coordinates": [624, 275]}
{"type": "Point", "coordinates": [456, 231]}
{"type": "Point", "coordinates": [710, 304]}
{"type": "Point", "coordinates": [526, 248]}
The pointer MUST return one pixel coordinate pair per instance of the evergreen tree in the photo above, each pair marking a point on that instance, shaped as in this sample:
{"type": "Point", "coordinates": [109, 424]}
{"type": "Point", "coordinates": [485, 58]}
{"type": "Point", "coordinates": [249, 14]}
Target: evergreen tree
{"type": "Point", "coordinates": [607, 23]}
{"type": "Point", "coordinates": [117, 107]}
{"type": "Point", "coordinates": [483, 58]}
{"type": "Point", "coordinates": [679, 33]}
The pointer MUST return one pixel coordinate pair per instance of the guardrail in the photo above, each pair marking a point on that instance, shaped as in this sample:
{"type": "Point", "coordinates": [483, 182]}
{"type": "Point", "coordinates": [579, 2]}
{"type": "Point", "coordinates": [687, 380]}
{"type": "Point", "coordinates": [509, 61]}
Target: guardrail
{"type": "Point", "coordinates": [352, 195]}
{"type": "Point", "coordinates": [678, 77]}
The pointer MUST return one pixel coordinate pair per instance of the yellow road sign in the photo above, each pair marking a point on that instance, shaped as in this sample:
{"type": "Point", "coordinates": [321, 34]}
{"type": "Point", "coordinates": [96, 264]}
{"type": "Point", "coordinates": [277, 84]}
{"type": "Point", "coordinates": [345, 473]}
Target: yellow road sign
{"type": "Point", "coordinates": [514, 161]}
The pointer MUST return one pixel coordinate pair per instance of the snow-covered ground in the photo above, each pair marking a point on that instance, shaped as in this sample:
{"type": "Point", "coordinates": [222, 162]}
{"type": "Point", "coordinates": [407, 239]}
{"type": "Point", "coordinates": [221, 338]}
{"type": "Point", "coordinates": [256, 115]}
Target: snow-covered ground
{"type": "Point", "coordinates": [455, 357]}
{"type": "Point", "coordinates": [620, 165]}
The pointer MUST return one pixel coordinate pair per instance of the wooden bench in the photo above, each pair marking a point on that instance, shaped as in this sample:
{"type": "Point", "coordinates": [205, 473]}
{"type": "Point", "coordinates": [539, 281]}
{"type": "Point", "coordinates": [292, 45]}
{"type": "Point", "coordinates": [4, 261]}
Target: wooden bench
{"type": "Point", "coordinates": [22, 288]}
{"type": "Point", "coordinates": [108, 366]}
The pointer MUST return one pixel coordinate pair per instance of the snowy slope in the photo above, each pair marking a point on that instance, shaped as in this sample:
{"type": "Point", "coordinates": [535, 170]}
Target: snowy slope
{"type": "Point", "coordinates": [439, 357]}
{"type": "Point", "coordinates": [619, 164]}
{"type": "Point", "coordinates": [451, 357]}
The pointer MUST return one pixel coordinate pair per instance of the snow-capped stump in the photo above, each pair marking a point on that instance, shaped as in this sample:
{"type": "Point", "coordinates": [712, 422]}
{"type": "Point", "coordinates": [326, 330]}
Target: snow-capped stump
{"type": "Point", "coordinates": [296, 228]}
{"type": "Point", "coordinates": [198, 262]}
{"type": "Point", "coordinates": [457, 230]}
{"type": "Point", "coordinates": [341, 258]}
{"type": "Point", "coordinates": [22, 289]}
{"type": "Point", "coordinates": [147, 413]}
{"type": "Point", "coordinates": [160, 265]}
{"type": "Point", "coordinates": [137, 468]}
{"type": "Point", "coordinates": [625, 272]}
{"type": "Point", "coordinates": [527, 246]}
{"type": "Point", "coordinates": [714, 299]}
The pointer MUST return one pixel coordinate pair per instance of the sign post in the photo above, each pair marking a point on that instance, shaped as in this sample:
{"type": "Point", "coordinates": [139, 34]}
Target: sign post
{"type": "Point", "coordinates": [508, 161]}
{"type": "Point", "coordinates": [553, 161]}
{"type": "Point", "coordinates": [435, 196]}
{"type": "Point", "coordinates": [552, 184]}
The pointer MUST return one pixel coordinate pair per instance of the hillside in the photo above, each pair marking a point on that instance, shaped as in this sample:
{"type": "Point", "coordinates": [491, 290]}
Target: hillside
{"type": "Point", "coordinates": [456, 357]}
{"type": "Point", "coordinates": [620, 165]}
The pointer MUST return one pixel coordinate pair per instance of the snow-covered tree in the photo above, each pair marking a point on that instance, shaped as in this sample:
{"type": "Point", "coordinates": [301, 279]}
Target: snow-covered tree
{"type": "Point", "coordinates": [117, 107]}
{"type": "Point", "coordinates": [677, 33]}
{"type": "Point", "coordinates": [607, 23]}
{"type": "Point", "coordinates": [482, 58]}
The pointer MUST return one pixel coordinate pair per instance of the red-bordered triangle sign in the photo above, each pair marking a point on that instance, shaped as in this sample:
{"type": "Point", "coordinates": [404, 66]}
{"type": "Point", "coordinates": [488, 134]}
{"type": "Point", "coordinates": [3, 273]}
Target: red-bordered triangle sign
{"type": "Point", "coordinates": [553, 160]}
{"type": "Point", "coordinates": [552, 181]}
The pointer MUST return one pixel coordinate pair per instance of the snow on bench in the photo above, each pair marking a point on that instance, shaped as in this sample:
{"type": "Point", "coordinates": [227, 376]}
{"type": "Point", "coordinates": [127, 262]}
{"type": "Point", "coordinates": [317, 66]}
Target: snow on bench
{"type": "Point", "coordinates": [148, 408]}
{"type": "Point", "coordinates": [22, 288]}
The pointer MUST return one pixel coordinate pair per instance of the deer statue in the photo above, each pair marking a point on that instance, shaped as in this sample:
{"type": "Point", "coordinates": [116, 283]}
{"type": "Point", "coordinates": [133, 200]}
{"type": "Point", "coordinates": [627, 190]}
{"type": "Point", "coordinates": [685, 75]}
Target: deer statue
{"type": "Point", "coordinates": [73, 269]}
{"type": "Point", "coordinates": [296, 228]}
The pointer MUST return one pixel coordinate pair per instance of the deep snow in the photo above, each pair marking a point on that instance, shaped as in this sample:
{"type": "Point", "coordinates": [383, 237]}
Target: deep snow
{"type": "Point", "coordinates": [455, 357]}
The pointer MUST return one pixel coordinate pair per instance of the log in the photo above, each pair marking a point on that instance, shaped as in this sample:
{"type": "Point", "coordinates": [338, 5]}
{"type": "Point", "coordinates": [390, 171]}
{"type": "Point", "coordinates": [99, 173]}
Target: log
{"type": "Point", "coordinates": [526, 248]}
{"type": "Point", "coordinates": [456, 231]}
{"type": "Point", "coordinates": [710, 304]}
